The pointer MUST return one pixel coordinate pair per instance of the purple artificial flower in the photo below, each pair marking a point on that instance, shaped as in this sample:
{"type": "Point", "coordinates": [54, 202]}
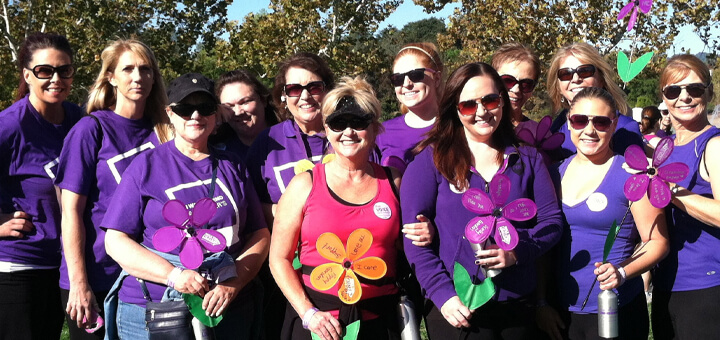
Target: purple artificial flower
{"type": "Point", "coordinates": [188, 233]}
{"type": "Point", "coordinates": [541, 138]}
{"type": "Point", "coordinates": [494, 214]}
{"type": "Point", "coordinates": [644, 6]}
{"type": "Point", "coordinates": [653, 179]}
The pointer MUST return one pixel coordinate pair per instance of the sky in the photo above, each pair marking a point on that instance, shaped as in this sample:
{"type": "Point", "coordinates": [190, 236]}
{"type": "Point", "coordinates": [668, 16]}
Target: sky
{"type": "Point", "coordinates": [408, 12]}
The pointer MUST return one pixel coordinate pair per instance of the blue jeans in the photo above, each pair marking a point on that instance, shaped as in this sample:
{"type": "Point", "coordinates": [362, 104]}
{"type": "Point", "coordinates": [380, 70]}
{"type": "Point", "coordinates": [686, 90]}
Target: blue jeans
{"type": "Point", "coordinates": [131, 322]}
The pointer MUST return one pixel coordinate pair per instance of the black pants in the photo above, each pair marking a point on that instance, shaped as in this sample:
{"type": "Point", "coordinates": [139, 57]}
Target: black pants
{"type": "Point", "coordinates": [510, 320]}
{"type": "Point", "coordinates": [633, 322]}
{"type": "Point", "coordinates": [30, 305]}
{"type": "Point", "coordinates": [75, 332]}
{"type": "Point", "coordinates": [690, 315]}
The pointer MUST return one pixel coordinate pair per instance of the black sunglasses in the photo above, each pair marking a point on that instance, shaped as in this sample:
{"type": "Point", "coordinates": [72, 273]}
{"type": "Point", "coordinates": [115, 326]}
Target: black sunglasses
{"type": "Point", "coordinates": [47, 71]}
{"type": "Point", "coordinates": [489, 102]}
{"type": "Point", "coordinates": [695, 90]}
{"type": "Point", "coordinates": [340, 124]}
{"type": "Point", "coordinates": [187, 110]}
{"type": "Point", "coordinates": [583, 71]}
{"type": "Point", "coordinates": [314, 88]}
{"type": "Point", "coordinates": [415, 76]}
{"type": "Point", "coordinates": [526, 85]}
{"type": "Point", "coordinates": [600, 123]}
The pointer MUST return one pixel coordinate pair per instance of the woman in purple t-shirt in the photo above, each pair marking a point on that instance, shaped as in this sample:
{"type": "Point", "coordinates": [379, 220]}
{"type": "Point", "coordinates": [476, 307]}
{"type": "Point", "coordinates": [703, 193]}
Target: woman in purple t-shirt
{"type": "Point", "coordinates": [519, 68]}
{"type": "Point", "coordinates": [126, 103]}
{"type": "Point", "coordinates": [31, 136]}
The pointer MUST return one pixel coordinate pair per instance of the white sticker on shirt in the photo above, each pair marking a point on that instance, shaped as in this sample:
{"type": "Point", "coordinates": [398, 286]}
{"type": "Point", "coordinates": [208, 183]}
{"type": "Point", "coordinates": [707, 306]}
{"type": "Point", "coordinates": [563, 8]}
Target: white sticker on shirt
{"type": "Point", "coordinates": [382, 210]}
{"type": "Point", "coordinates": [111, 162]}
{"type": "Point", "coordinates": [48, 167]}
{"type": "Point", "coordinates": [597, 202]}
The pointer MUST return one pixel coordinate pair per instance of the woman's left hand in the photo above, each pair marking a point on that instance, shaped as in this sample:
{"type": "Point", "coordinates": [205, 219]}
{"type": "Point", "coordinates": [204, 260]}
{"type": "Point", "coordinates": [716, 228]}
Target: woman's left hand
{"type": "Point", "coordinates": [495, 258]}
{"type": "Point", "coordinates": [608, 275]}
{"type": "Point", "coordinates": [421, 233]}
{"type": "Point", "coordinates": [219, 298]}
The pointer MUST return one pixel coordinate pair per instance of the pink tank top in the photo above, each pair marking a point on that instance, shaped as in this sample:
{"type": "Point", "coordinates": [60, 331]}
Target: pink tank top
{"type": "Point", "coordinates": [324, 213]}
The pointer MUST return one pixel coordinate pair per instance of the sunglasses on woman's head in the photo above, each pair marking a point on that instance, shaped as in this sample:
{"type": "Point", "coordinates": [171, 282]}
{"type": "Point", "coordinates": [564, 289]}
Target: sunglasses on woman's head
{"type": "Point", "coordinates": [187, 110]}
{"type": "Point", "coordinates": [526, 85]}
{"type": "Point", "coordinates": [695, 90]}
{"type": "Point", "coordinates": [47, 71]}
{"type": "Point", "coordinates": [355, 123]}
{"type": "Point", "coordinates": [415, 76]}
{"type": "Point", "coordinates": [314, 88]}
{"type": "Point", "coordinates": [600, 123]}
{"type": "Point", "coordinates": [489, 102]}
{"type": "Point", "coordinates": [583, 71]}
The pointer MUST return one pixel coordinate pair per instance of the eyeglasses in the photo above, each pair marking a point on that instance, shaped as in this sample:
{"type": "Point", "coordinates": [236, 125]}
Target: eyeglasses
{"type": "Point", "coordinates": [695, 90]}
{"type": "Point", "coordinates": [600, 123]}
{"type": "Point", "coordinates": [489, 102]}
{"type": "Point", "coordinates": [583, 71]}
{"type": "Point", "coordinates": [314, 88]}
{"type": "Point", "coordinates": [664, 112]}
{"type": "Point", "coordinates": [415, 76]}
{"type": "Point", "coordinates": [47, 71]}
{"type": "Point", "coordinates": [187, 110]}
{"type": "Point", "coordinates": [340, 124]}
{"type": "Point", "coordinates": [526, 85]}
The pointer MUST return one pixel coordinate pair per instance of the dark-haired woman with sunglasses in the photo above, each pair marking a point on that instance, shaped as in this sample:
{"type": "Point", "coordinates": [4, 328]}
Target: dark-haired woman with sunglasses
{"type": "Point", "coordinates": [189, 170]}
{"type": "Point", "coordinates": [126, 107]}
{"type": "Point", "coordinates": [519, 67]}
{"type": "Point", "coordinates": [578, 66]}
{"type": "Point", "coordinates": [32, 131]}
{"type": "Point", "coordinates": [687, 287]}
{"type": "Point", "coordinates": [472, 143]}
{"type": "Point", "coordinates": [417, 79]}
{"type": "Point", "coordinates": [592, 183]}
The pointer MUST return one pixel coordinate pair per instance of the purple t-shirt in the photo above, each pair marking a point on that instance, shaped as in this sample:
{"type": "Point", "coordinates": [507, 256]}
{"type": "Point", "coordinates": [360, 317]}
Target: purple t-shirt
{"type": "Point", "coordinates": [425, 191]}
{"type": "Point", "coordinates": [274, 153]}
{"type": "Point", "coordinates": [399, 139]}
{"type": "Point", "coordinates": [29, 147]}
{"type": "Point", "coordinates": [587, 225]}
{"type": "Point", "coordinates": [93, 168]}
{"type": "Point", "coordinates": [626, 133]}
{"type": "Point", "coordinates": [694, 259]}
{"type": "Point", "coordinates": [163, 174]}
{"type": "Point", "coordinates": [226, 139]}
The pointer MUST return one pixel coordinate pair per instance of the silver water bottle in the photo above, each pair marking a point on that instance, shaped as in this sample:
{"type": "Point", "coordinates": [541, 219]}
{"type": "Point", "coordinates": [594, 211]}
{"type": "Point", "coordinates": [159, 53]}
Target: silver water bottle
{"type": "Point", "coordinates": [201, 331]}
{"type": "Point", "coordinates": [409, 325]}
{"type": "Point", "coordinates": [607, 314]}
{"type": "Point", "coordinates": [487, 272]}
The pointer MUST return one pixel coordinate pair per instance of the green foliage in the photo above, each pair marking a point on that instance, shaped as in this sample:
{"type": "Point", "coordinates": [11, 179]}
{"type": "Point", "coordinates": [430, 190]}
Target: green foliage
{"type": "Point", "coordinates": [647, 89]}
{"type": "Point", "coordinates": [643, 101]}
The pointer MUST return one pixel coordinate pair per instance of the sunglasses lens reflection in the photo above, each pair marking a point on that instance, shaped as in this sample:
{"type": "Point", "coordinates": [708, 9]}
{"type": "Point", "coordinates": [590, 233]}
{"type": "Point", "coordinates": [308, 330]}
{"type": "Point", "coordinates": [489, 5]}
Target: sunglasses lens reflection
{"type": "Point", "coordinates": [339, 125]}
{"type": "Point", "coordinates": [600, 123]}
{"type": "Point", "coordinates": [415, 76]}
{"type": "Point", "coordinates": [314, 88]}
{"type": "Point", "coordinates": [583, 71]}
{"type": "Point", "coordinates": [187, 110]}
{"type": "Point", "coordinates": [489, 102]}
{"type": "Point", "coordinates": [47, 71]}
{"type": "Point", "coordinates": [695, 90]}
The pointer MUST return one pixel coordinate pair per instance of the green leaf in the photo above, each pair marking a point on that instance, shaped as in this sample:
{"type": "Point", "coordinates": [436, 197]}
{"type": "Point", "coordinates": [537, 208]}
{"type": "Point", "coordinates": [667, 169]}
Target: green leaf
{"type": "Point", "coordinates": [610, 239]}
{"type": "Point", "coordinates": [194, 303]}
{"type": "Point", "coordinates": [628, 71]}
{"type": "Point", "coordinates": [472, 296]}
{"type": "Point", "coordinates": [351, 332]}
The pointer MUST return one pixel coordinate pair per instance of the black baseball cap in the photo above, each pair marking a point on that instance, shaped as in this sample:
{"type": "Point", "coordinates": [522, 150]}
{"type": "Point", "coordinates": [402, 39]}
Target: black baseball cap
{"type": "Point", "coordinates": [189, 83]}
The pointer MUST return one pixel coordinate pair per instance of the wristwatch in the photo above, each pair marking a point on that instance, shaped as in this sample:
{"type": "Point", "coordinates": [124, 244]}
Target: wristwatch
{"type": "Point", "coordinates": [675, 189]}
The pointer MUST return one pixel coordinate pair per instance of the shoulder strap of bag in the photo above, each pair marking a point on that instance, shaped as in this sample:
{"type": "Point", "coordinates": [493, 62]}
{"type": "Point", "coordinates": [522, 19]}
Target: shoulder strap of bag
{"type": "Point", "coordinates": [146, 293]}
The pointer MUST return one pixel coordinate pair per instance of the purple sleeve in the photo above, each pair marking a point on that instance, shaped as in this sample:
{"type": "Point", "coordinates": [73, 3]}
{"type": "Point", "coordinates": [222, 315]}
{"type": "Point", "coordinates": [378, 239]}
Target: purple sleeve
{"type": "Point", "coordinates": [548, 230]}
{"type": "Point", "coordinates": [627, 133]}
{"type": "Point", "coordinates": [256, 158]}
{"type": "Point", "coordinates": [78, 158]}
{"type": "Point", "coordinates": [418, 195]}
{"type": "Point", "coordinates": [126, 209]}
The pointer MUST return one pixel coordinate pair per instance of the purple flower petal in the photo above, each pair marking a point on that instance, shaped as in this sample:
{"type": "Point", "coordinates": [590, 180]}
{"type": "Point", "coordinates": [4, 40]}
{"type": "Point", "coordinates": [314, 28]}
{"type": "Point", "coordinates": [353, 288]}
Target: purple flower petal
{"type": "Point", "coordinates": [633, 18]}
{"type": "Point", "coordinates": [625, 10]}
{"type": "Point", "coordinates": [553, 142]}
{"type": "Point", "coordinates": [635, 158]}
{"type": "Point", "coordinates": [662, 151]}
{"type": "Point", "coordinates": [499, 189]}
{"type": "Point", "coordinates": [477, 201]}
{"type": "Point", "coordinates": [479, 229]}
{"type": "Point", "coordinates": [673, 172]}
{"type": "Point", "coordinates": [167, 238]}
{"type": "Point", "coordinates": [543, 128]}
{"type": "Point", "coordinates": [521, 209]}
{"type": "Point", "coordinates": [395, 162]}
{"type": "Point", "coordinates": [526, 136]}
{"type": "Point", "coordinates": [636, 186]}
{"type": "Point", "coordinates": [191, 254]}
{"type": "Point", "coordinates": [506, 237]}
{"type": "Point", "coordinates": [212, 240]}
{"type": "Point", "coordinates": [174, 211]}
{"type": "Point", "coordinates": [645, 6]}
{"type": "Point", "coordinates": [659, 193]}
{"type": "Point", "coordinates": [203, 211]}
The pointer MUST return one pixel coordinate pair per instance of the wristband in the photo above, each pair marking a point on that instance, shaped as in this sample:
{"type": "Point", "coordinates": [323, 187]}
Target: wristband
{"type": "Point", "coordinates": [623, 275]}
{"type": "Point", "coordinates": [174, 274]}
{"type": "Point", "coordinates": [674, 190]}
{"type": "Point", "coordinates": [308, 316]}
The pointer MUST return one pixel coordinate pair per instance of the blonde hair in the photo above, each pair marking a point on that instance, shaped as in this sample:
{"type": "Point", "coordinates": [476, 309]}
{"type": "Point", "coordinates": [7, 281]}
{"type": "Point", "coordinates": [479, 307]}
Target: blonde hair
{"type": "Point", "coordinates": [428, 55]}
{"type": "Point", "coordinates": [587, 55]}
{"type": "Point", "coordinates": [103, 96]}
{"type": "Point", "coordinates": [679, 66]}
{"type": "Point", "coordinates": [364, 95]}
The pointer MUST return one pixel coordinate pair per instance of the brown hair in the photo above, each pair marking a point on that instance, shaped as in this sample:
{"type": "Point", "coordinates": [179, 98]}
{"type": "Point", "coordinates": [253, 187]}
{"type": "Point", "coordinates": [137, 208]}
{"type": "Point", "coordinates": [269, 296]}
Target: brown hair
{"type": "Point", "coordinates": [512, 52]}
{"type": "Point", "coordinates": [33, 43]}
{"type": "Point", "coordinates": [587, 55]}
{"type": "Point", "coordinates": [650, 117]}
{"type": "Point", "coordinates": [451, 153]}
{"type": "Point", "coordinates": [304, 60]}
{"type": "Point", "coordinates": [679, 66]}
{"type": "Point", "coordinates": [247, 78]}
{"type": "Point", "coordinates": [596, 93]}
{"type": "Point", "coordinates": [428, 55]}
